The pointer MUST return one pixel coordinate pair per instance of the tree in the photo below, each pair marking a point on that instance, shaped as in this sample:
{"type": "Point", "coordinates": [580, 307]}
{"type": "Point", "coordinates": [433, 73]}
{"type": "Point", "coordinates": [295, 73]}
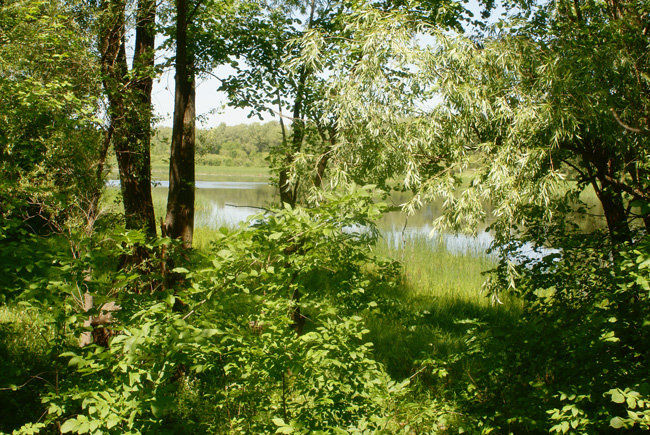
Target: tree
{"type": "Point", "coordinates": [276, 75]}
{"type": "Point", "coordinates": [553, 100]}
{"type": "Point", "coordinates": [179, 222]}
{"type": "Point", "coordinates": [264, 80]}
{"type": "Point", "coordinates": [561, 103]}
{"type": "Point", "coordinates": [199, 47]}
{"type": "Point", "coordinates": [129, 104]}
{"type": "Point", "coordinates": [51, 154]}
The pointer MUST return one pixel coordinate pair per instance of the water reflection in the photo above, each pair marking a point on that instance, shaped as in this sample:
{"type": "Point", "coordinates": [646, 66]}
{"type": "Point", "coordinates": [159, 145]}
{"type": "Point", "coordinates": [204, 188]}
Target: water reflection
{"type": "Point", "coordinates": [216, 215]}
{"type": "Point", "coordinates": [228, 203]}
{"type": "Point", "coordinates": [236, 185]}
{"type": "Point", "coordinates": [222, 203]}
{"type": "Point", "coordinates": [397, 238]}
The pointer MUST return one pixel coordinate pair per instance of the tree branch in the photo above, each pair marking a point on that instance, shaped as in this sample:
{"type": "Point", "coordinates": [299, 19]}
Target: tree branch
{"type": "Point", "coordinates": [624, 125]}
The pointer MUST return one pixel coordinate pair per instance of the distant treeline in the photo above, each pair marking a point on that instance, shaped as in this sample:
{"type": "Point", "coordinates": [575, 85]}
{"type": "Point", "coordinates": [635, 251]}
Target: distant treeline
{"type": "Point", "coordinates": [238, 145]}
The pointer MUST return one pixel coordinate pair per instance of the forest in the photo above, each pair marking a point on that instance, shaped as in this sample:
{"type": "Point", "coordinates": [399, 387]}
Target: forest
{"type": "Point", "coordinates": [223, 145]}
{"type": "Point", "coordinates": [124, 307]}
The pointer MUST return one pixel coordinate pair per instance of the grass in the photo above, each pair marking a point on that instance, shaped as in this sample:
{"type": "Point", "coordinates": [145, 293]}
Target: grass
{"type": "Point", "coordinates": [160, 171]}
{"type": "Point", "coordinates": [430, 270]}
{"type": "Point", "coordinates": [26, 361]}
{"type": "Point", "coordinates": [438, 301]}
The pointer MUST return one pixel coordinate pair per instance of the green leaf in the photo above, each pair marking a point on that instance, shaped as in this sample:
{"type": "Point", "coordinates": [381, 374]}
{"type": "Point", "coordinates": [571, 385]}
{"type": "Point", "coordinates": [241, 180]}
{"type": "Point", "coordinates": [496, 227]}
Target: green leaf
{"type": "Point", "coordinates": [617, 422]}
{"type": "Point", "coordinates": [285, 429]}
{"type": "Point", "coordinates": [564, 426]}
{"type": "Point", "coordinates": [617, 397]}
{"type": "Point", "coordinates": [609, 337]}
{"type": "Point", "coordinates": [69, 426]}
{"type": "Point", "coordinates": [278, 422]}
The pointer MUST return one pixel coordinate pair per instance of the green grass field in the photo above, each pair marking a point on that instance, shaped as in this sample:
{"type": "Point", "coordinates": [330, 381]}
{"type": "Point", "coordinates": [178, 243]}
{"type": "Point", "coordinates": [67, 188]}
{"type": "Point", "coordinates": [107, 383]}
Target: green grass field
{"type": "Point", "coordinates": [160, 171]}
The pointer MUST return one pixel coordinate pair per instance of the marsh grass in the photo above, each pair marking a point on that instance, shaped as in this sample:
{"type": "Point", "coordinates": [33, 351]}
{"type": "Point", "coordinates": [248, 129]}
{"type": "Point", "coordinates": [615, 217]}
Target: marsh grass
{"type": "Point", "coordinates": [437, 302]}
{"type": "Point", "coordinates": [111, 202]}
{"type": "Point", "coordinates": [432, 271]}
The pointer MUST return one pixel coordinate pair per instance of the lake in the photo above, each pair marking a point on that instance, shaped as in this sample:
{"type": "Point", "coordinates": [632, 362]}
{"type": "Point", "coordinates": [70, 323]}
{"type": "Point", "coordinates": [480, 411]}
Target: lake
{"type": "Point", "coordinates": [228, 203]}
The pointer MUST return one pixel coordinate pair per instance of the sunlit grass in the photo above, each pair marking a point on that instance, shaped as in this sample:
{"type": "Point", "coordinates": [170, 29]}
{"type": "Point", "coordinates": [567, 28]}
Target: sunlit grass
{"type": "Point", "coordinates": [431, 271]}
{"type": "Point", "coordinates": [439, 299]}
{"type": "Point", "coordinates": [160, 171]}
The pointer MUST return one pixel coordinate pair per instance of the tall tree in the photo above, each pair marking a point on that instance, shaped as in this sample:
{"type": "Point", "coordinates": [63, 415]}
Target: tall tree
{"type": "Point", "coordinates": [199, 48]}
{"type": "Point", "coordinates": [552, 101]}
{"type": "Point", "coordinates": [179, 222]}
{"type": "Point", "coordinates": [51, 160]}
{"type": "Point", "coordinates": [129, 100]}
{"type": "Point", "coordinates": [262, 51]}
{"type": "Point", "coordinates": [275, 75]}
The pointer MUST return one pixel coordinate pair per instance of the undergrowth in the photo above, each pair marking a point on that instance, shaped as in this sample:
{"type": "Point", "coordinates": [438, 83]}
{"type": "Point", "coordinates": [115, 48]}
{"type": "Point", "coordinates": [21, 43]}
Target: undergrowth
{"type": "Point", "coordinates": [295, 324]}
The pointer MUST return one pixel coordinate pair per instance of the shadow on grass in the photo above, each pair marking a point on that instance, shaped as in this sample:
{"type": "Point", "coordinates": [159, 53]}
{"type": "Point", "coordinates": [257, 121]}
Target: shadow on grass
{"type": "Point", "coordinates": [407, 329]}
{"type": "Point", "coordinates": [26, 365]}
{"type": "Point", "coordinates": [467, 354]}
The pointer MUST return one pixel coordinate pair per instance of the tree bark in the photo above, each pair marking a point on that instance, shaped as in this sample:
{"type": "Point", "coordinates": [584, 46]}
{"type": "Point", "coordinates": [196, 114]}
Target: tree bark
{"type": "Point", "coordinates": [179, 222]}
{"type": "Point", "coordinates": [328, 136]}
{"type": "Point", "coordinates": [93, 207]}
{"type": "Point", "coordinates": [129, 102]}
{"type": "Point", "coordinates": [615, 215]}
{"type": "Point", "coordinates": [143, 67]}
{"type": "Point", "coordinates": [288, 192]}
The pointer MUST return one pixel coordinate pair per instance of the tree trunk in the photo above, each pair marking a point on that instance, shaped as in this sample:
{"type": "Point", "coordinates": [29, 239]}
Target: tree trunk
{"type": "Point", "coordinates": [615, 214]}
{"type": "Point", "coordinates": [320, 170]}
{"type": "Point", "coordinates": [288, 192]}
{"type": "Point", "coordinates": [328, 137]}
{"type": "Point", "coordinates": [130, 107]}
{"type": "Point", "coordinates": [143, 66]}
{"type": "Point", "coordinates": [179, 221]}
{"type": "Point", "coordinates": [93, 206]}
{"type": "Point", "coordinates": [135, 181]}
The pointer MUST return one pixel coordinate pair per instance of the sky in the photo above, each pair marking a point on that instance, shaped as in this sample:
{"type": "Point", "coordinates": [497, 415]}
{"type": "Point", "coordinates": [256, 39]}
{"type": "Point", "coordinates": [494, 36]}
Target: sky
{"type": "Point", "coordinates": [211, 106]}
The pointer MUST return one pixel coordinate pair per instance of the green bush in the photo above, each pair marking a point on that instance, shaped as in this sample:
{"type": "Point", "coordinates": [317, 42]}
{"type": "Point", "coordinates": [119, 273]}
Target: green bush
{"type": "Point", "coordinates": [577, 360]}
{"type": "Point", "coordinates": [260, 334]}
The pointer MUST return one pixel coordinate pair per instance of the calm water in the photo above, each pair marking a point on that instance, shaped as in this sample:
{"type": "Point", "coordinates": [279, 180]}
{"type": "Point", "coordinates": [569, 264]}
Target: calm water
{"type": "Point", "coordinates": [227, 203]}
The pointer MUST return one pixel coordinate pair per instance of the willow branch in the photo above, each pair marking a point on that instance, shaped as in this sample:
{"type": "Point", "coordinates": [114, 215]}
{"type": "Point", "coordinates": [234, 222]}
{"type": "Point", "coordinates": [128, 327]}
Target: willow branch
{"type": "Point", "coordinates": [623, 124]}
